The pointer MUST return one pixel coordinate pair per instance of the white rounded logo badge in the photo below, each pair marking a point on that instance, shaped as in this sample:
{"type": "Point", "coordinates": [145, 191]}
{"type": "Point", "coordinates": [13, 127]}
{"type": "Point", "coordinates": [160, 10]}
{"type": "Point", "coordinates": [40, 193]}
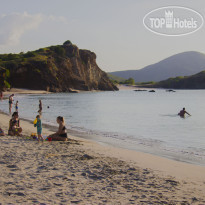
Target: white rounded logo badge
{"type": "Point", "coordinates": [173, 21]}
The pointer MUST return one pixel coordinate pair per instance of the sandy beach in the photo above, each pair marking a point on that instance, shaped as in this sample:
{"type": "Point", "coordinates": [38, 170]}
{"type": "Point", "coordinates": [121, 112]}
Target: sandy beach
{"type": "Point", "coordinates": [83, 172]}
{"type": "Point", "coordinates": [24, 91]}
{"type": "Point", "coordinates": [126, 87]}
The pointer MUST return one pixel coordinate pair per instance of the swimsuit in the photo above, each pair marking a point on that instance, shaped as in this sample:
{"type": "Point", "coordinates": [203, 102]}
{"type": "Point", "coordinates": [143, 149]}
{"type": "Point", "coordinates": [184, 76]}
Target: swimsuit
{"type": "Point", "coordinates": [64, 134]}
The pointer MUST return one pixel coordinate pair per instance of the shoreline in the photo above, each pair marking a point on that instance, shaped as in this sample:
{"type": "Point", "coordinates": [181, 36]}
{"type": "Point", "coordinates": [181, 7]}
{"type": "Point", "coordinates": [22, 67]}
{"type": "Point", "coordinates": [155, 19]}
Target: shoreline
{"type": "Point", "coordinates": [130, 155]}
{"type": "Point", "coordinates": [189, 176]}
{"type": "Point", "coordinates": [37, 92]}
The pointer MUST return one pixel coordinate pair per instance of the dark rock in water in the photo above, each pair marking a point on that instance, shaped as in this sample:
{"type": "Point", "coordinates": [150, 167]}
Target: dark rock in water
{"type": "Point", "coordinates": [171, 91]}
{"type": "Point", "coordinates": [152, 91]}
{"type": "Point", "coordinates": [139, 90]}
{"type": "Point", "coordinates": [61, 68]}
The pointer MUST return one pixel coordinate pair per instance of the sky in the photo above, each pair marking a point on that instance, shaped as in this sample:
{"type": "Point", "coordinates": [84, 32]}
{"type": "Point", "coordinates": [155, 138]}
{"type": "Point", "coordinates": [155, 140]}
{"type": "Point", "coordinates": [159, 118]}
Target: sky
{"type": "Point", "coordinates": [113, 29]}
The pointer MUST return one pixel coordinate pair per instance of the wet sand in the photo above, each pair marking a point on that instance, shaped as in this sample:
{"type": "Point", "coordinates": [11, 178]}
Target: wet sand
{"type": "Point", "coordinates": [82, 172]}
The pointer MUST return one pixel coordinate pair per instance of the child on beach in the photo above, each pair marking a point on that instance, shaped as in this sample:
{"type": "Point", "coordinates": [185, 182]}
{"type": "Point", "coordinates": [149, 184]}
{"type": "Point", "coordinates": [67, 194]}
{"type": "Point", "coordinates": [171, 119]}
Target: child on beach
{"type": "Point", "coordinates": [39, 127]}
{"type": "Point", "coordinates": [17, 106]}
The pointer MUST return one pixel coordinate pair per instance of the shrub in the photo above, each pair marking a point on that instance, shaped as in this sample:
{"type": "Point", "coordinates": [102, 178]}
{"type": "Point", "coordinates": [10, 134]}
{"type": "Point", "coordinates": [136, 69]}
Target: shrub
{"type": "Point", "coordinates": [29, 54]}
{"type": "Point", "coordinates": [59, 50]}
{"type": "Point", "coordinates": [130, 81]}
{"type": "Point", "coordinates": [11, 64]}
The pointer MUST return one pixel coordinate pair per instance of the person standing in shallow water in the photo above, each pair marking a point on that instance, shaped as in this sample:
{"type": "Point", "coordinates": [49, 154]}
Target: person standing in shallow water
{"type": "Point", "coordinates": [183, 112]}
{"type": "Point", "coordinates": [17, 106]}
{"type": "Point", "coordinates": [11, 99]}
{"type": "Point", "coordinates": [40, 107]}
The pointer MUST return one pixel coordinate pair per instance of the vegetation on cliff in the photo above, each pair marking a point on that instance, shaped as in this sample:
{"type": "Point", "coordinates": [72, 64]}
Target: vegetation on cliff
{"type": "Point", "coordinates": [4, 75]}
{"type": "Point", "coordinates": [56, 68]}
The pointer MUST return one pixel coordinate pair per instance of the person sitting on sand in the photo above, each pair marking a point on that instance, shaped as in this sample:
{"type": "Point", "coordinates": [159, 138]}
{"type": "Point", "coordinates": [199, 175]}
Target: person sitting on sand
{"type": "Point", "coordinates": [183, 112]}
{"type": "Point", "coordinates": [61, 134]}
{"type": "Point", "coordinates": [15, 128]}
{"type": "Point", "coordinates": [39, 127]}
{"type": "Point", "coordinates": [18, 129]}
{"type": "Point", "coordinates": [1, 132]}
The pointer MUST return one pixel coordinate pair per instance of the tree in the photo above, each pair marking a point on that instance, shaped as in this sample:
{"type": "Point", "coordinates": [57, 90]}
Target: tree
{"type": "Point", "coordinates": [130, 81]}
{"type": "Point", "coordinates": [4, 74]}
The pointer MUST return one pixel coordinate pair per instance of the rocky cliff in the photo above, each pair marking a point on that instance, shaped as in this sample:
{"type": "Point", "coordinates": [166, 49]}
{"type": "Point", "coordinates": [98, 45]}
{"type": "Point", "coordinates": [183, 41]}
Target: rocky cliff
{"type": "Point", "coordinates": [56, 68]}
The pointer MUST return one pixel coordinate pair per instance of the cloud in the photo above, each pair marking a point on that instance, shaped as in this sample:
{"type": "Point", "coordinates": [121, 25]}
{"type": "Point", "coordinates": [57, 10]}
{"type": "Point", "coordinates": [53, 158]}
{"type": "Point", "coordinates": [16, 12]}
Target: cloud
{"type": "Point", "coordinates": [13, 26]}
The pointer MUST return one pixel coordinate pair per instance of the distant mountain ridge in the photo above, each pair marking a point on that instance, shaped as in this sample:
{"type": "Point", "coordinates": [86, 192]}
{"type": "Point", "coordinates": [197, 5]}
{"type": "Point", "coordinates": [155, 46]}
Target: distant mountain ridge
{"type": "Point", "coordinates": [182, 64]}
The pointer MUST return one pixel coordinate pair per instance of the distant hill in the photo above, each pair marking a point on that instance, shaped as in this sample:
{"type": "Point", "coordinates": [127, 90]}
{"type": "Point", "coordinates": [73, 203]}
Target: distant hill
{"type": "Point", "coordinates": [59, 68]}
{"type": "Point", "coordinates": [196, 81]}
{"type": "Point", "coordinates": [182, 64]}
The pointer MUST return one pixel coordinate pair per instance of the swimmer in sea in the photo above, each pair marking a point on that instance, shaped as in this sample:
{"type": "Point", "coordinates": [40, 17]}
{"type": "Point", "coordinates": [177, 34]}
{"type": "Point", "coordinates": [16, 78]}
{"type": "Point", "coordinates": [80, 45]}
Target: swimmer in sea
{"type": "Point", "coordinates": [183, 112]}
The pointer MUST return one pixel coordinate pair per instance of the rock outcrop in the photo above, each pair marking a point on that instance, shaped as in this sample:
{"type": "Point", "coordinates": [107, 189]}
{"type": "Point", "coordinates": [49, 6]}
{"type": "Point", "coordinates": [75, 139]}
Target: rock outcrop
{"type": "Point", "coordinates": [57, 68]}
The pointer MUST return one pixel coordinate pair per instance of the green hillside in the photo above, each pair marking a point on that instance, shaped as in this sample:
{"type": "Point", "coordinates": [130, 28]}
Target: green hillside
{"type": "Point", "coordinates": [59, 68]}
{"type": "Point", "coordinates": [196, 81]}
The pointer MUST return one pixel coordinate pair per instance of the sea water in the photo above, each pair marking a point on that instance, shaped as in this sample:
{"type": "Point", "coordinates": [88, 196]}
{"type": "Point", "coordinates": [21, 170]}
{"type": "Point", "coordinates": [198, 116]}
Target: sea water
{"type": "Point", "coordinates": [140, 121]}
